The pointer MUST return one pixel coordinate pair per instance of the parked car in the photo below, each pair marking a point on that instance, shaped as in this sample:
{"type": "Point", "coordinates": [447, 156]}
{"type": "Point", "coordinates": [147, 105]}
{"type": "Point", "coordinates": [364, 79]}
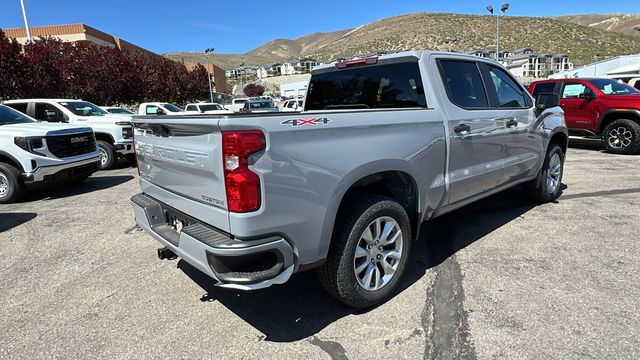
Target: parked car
{"type": "Point", "coordinates": [112, 132]}
{"type": "Point", "coordinates": [598, 107]}
{"type": "Point", "coordinates": [236, 104]}
{"type": "Point", "coordinates": [292, 105]}
{"type": "Point", "coordinates": [383, 144]}
{"type": "Point", "coordinates": [34, 154]}
{"type": "Point", "coordinates": [259, 106]}
{"type": "Point", "coordinates": [116, 110]}
{"type": "Point", "coordinates": [206, 108]}
{"type": "Point", "coordinates": [635, 82]}
{"type": "Point", "coordinates": [159, 108]}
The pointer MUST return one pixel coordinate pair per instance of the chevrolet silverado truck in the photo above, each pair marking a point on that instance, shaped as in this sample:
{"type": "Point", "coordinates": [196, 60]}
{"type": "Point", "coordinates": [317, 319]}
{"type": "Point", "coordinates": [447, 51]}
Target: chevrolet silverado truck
{"type": "Point", "coordinates": [599, 108]}
{"type": "Point", "coordinates": [112, 132]}
{"type": "Point", "coordinates": [383, 144]}
{"type": "Point", "coordinates": [34, 154]}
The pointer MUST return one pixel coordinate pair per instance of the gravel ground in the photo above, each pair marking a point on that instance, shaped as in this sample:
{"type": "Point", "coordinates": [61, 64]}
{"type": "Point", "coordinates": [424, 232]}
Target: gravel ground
{"type": "Point", "coordinates": [499, 279]}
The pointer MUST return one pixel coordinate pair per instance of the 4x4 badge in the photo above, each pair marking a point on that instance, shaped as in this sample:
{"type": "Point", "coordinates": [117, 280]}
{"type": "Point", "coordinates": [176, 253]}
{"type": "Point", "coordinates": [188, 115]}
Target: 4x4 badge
{"type": "Point", "coordinates": [302, 122]}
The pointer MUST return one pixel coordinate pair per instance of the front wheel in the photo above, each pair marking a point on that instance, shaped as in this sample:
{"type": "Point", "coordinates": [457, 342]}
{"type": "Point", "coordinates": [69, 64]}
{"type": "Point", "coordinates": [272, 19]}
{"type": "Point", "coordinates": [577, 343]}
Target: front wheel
{"type": "Point", "coordinates": [547, 186]}
{"type": "Point", "coordinates": [369, 251]}
{"type": "Point", "coordinates": [622, 136]}
{"type": "Point", "coordinates": [107, 155]}
{"type": "Point", "coordinates": [12, 188]}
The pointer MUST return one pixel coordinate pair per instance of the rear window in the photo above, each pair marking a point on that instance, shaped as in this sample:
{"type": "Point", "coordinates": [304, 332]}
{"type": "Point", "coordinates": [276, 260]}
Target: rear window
{"type": "Point", "coordinates": [22, 107]}
{"type": "Point", "coordinates": [372, 87]}
{"type": "Point", "coordinates": [548, 87]}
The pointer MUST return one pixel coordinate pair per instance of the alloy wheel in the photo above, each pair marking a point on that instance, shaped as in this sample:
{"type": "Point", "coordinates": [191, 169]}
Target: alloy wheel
{"type": "Point", "coordinates": [554, 174]}
{"type": "Point", "coordinates": [4, 185]}
{"type": "Point", "coordinates": [378, 253]}
{"type": "Point", "coordinates": [620, 137]}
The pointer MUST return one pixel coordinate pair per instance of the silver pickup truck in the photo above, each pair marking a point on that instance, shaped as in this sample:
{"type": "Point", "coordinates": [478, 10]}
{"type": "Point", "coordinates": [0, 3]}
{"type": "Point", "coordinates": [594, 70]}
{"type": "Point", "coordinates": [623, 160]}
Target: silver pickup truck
{"type": "Point", "coordinates": [383, 144]}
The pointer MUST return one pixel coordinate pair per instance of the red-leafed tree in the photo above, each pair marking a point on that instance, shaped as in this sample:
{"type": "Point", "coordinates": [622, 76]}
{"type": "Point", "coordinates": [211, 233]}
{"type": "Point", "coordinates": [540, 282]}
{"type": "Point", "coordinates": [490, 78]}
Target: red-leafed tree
{"type": "Point", "coordinates": [198, 87]}
{"type": "Point", "coordinates": [45, 63]}
{"type": "Point", "coordinates": [253, 90]}
{"type": "Point", "coordinates": [12, 69]}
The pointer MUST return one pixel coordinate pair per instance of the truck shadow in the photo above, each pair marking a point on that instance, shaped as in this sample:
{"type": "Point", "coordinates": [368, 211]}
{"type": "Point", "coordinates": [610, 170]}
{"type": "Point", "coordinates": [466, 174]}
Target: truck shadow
{"type": "Point", "coordinates": [301, 308]}
{"type": "Point", "coordinates": [10, 220]}
{"type": "Point", "coordinates": [586, 144]}
{"type": "Point", "coordinates": [94, 183]}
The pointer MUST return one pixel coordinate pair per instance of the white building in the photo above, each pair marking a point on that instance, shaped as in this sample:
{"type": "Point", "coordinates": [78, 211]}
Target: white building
{"type": "Point", "coordinates": [294, 90]}
{"type": "Point", "coordinates": [619, 67]}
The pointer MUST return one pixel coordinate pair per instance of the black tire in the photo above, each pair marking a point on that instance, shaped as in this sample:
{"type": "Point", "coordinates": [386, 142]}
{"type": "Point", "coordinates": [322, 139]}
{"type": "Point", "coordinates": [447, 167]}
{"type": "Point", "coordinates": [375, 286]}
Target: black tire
{"type": "Point", "coordinates": [12, 187]}
{"type": "Point", "coordinates": [338, 275]}
{"type": "Point", "coordinates": [627, 140]}
{"type": "Point", "coordinates": [109, 152]}
{"type": "Point", "coordinates": [538, 189]}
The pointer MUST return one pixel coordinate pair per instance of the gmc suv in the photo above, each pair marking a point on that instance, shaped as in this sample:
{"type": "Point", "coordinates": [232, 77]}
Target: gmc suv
{"type": "Point", "coordinates": [383, 144]}
{"type": "Point", "coordinates": [602, 108]}
{"type": "Point", "coordinates": [33, 154]}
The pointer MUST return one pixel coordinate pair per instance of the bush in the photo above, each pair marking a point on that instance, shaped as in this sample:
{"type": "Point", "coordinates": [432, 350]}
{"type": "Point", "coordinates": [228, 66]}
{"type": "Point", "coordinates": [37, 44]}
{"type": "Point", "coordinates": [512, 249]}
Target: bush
{"type": "Point", "coordinates": [253, 90]}
{"type": "Point", "coordinates": [50, 68]}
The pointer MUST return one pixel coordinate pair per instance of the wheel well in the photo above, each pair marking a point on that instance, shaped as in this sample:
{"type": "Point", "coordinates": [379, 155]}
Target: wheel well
{"type": "Point", "coordinates": [615, 115]}
{"type": "Point", "coordinates": [105, 137]}
{"type": "Point", "coordinates": [397, 185]}
{"type": "Point", "coordinates": [561, 140]}
{"type": "Point", "coordinates": [10, 161]}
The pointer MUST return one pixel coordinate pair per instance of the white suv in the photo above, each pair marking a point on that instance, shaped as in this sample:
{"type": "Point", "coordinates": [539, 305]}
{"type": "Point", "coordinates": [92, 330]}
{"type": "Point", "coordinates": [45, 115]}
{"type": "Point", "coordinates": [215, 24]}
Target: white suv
{"type": "Point", "coordinates": [33, 154]}
{"type": "Point", "coordinates": [206, 108]}
{"type": "Point", "coordinates": [112, 132]}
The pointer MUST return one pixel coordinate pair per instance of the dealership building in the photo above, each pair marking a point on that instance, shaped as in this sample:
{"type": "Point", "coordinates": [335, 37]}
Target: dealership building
{"type": "Point", "coordinates": [82, 33]}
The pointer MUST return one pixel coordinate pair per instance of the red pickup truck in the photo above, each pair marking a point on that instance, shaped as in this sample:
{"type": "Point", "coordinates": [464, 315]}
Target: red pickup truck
{"type": "Point", "coordinates": [596, 107]}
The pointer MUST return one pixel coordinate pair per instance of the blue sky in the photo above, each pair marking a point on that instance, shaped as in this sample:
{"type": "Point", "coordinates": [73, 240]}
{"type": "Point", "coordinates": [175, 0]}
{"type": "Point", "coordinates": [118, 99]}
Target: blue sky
{"type": "Point", "coordinates": [239, 26]}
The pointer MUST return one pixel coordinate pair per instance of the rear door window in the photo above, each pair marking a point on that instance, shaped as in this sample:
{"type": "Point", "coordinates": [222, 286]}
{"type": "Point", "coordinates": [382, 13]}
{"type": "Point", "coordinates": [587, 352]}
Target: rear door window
{"type": "Point", "coordinates": [151, 110]}
{"type": "Point", "coordinates": [370, 87]}
{"type": "Point", "coordinates": [48, 112]}
{"type": "Point", "coordinates": [22, 107]}
{"type": "Point", "coordinates": [547, 87]}
{"type": "Point", "coordinates": [463, 83]}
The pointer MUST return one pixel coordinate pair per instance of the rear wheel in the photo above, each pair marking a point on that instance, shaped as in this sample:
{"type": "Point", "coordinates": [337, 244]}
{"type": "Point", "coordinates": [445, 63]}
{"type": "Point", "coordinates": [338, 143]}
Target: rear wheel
{"type": "Point", "coordinates": [547, 186]}
{"type": "Point", "coordinates": [107, 155]}
{"type": "Point", "coordinates": [622, 136]}
{"type": "Point", "coordinates": [369, 251]}
{"type": "Point", "coordinates": [12, 187]}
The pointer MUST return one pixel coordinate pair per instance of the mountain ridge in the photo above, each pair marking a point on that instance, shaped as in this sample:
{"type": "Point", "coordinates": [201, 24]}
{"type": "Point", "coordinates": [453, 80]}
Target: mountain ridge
{"type": "Point", "coordinates": [580, 36]}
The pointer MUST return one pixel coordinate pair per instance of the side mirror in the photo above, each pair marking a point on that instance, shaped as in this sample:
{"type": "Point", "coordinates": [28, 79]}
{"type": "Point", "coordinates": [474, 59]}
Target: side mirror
{"type": "Point", "coordinates": [546, 101]}
{"type": "Point", "coordinates": [588, 94]}
{"type": "Point", "coordinates": [160, 112]}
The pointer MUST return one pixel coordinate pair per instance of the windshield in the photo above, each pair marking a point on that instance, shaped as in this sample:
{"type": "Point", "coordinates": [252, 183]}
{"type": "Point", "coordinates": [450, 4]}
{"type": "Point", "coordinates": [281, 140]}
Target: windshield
{"type": "Point", "coordinates": [261, 104]}
{"type": "Point", "coordinates": [83, 108]}
{"type": "Point", "coordinates": [10, 116]}
{"type": "Point", "coordinates": [613, 87]}
{"type": "Point", "coordinates": [210, 107]}
{"type": "Point", "coordinates": [119, 111]}
{"type": "Point", "coordinates": [172, 108]}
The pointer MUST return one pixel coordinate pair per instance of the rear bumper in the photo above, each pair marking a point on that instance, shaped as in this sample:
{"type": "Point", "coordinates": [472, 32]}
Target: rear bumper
{"type": "Point", "coordinates": [240, 264]}
{"type": "Point", "coordinates": [61, 172]}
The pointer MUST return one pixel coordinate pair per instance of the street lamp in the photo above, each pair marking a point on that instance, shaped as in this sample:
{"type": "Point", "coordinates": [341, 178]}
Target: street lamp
{"type": "Point", "coordinates": [26, 23]}
{"type": "Point", "coordinates": [208, 51]}
{"type": "Point", "coordinates": [503, 9]}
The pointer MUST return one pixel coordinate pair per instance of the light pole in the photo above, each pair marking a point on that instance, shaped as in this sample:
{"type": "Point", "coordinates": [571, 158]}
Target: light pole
{"type": "Point", "coordinates": [26, 23]}
{"type": "Point", "coordinates": [595, 64]}
{"type": "Point", "coordinates": [208, 51]}
{"type": "Point", "coordinates": [503, 9]}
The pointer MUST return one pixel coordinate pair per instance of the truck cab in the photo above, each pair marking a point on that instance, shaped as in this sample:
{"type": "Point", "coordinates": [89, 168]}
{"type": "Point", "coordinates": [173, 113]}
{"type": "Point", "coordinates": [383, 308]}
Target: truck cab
{"type": "Point", "coordinates": [112, 132]}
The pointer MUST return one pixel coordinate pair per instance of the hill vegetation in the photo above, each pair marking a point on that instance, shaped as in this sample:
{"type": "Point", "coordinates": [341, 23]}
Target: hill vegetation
{"type": "Point", "coordinates": [428, 30]}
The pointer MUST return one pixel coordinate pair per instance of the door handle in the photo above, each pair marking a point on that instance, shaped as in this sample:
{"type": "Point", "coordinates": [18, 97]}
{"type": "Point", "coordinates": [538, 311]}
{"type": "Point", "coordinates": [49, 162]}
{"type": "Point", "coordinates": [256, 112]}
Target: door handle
{"type": "Point", "coordinates": [462, 129]}
{"type": "Point", "coordinates": [511, 123]}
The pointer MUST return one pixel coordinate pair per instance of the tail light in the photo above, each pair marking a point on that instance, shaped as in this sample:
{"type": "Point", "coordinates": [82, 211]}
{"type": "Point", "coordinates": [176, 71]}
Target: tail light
{"type": "Point", "coordinates": [241, 184]}
{"type": "Point", "coordinates": [135, 153]}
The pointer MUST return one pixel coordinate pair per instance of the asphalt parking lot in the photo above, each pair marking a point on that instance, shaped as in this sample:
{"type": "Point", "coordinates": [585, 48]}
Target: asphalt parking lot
{"type": "Point", "coordinates": [498, 279]}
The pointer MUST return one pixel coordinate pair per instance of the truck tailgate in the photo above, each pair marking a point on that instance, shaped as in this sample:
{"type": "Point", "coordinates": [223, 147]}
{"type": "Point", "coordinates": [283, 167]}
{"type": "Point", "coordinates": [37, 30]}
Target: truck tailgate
{"type": "Point", "coordinates": [180, 164]}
